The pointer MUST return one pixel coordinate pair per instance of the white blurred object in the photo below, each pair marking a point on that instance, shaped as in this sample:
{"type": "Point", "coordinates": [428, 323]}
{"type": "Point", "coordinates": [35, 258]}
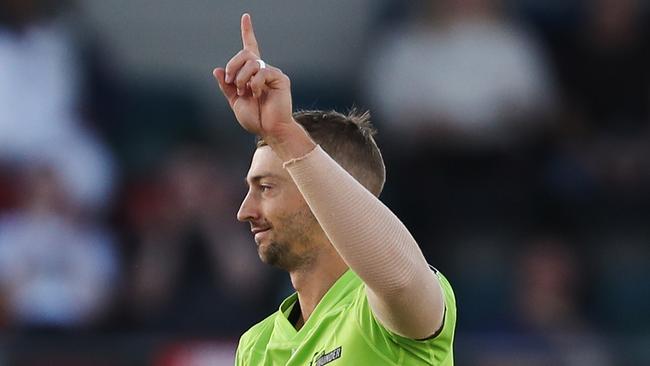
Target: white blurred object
{"type": "Point", "coordinates": [53, 271]}
{"type": "Point", "coordinates": [39, 113]}
{"type": "Point", "coordinates": [474, 75]}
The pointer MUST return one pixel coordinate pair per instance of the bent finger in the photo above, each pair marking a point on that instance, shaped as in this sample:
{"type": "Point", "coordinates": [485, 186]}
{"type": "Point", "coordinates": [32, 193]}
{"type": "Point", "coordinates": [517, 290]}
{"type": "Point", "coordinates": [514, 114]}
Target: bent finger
{"type": "Point", "coordinates": [236, 63]}
{"type": "Point", "coordinates": [228, 90]}
{"type": "Point", "coordinates": [244, 75]}
{"type": "Point", "coordinates": [266, 79]}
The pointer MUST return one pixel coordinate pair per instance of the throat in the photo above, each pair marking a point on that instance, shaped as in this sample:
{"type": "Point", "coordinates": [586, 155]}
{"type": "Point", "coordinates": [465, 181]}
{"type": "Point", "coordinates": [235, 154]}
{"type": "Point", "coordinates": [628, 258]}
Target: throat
{"type": "Point", "coordinates": [311, 285]}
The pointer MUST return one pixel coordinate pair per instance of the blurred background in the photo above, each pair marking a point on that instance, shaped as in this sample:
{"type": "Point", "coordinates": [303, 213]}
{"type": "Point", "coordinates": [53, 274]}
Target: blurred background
{"type": "Point", "coordinates": [516, 136]}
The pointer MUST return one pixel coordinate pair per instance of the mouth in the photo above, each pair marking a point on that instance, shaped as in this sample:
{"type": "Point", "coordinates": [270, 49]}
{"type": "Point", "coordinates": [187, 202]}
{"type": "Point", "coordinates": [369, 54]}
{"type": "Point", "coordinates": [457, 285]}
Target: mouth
{"type": "Point", "coordinates": [260, 233]}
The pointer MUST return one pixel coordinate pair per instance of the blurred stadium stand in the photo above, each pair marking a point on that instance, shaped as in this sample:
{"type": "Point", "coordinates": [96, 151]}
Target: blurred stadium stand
{"type": "Point", "coordinates": [517, 141]}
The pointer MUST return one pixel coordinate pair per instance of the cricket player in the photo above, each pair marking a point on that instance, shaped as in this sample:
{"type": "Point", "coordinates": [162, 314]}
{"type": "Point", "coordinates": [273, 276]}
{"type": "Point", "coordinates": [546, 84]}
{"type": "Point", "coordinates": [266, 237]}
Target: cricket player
{"type": "Point", "coordinates": [365, 295]}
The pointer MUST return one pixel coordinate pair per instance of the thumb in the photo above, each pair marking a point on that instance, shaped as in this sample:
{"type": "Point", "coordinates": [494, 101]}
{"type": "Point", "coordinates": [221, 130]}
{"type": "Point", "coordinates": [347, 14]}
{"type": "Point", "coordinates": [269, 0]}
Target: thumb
{"type": "Point", "coordinates": [228, 90]}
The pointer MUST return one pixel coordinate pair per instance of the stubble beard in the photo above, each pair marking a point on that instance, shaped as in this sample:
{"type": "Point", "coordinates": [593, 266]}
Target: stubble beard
{"type": "Point", "coordinates": [292, 248]}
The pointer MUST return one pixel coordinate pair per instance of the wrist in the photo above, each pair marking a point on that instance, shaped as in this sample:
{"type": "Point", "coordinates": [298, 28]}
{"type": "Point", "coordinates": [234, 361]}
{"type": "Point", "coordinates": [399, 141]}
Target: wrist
{"type": "Point", "coordinates": [290, 141]}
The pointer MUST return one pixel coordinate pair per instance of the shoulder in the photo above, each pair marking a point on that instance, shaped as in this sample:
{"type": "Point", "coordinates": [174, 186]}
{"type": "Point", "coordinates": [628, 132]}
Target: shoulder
{"type": "Point", "coordinates": [253, 336]}
{"type": "Point", "coordinates": [435, 350]}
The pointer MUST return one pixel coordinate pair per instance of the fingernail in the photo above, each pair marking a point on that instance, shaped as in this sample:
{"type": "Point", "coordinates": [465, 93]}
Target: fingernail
{"type": "Point", "coordinates": [228, 78]}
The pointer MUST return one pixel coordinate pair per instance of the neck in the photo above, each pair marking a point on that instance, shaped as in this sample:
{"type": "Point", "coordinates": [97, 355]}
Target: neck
{"type": "Point", "coordinates": [312, 283]}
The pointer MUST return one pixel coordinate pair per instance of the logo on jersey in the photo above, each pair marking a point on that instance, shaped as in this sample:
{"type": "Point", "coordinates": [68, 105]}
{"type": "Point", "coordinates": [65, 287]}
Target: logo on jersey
{"type": "Point", "coordinates": [322, 358]}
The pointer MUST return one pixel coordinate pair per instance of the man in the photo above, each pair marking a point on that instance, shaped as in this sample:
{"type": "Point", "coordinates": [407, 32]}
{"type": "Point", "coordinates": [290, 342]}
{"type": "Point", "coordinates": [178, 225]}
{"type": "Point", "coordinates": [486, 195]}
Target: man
{"type": "Point", "coordinates": [365, 295]}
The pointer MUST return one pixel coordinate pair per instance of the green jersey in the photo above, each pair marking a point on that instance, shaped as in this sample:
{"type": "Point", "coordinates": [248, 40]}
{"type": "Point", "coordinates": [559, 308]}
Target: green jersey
{"type": "Point", "coordinates": [342, 330]}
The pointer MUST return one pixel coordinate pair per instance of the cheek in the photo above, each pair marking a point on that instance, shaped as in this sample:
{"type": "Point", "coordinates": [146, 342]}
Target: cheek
{"type": "Point", "coordinates": [299, 223]}
{"type": "Point", "coordinates": [284, 202]}
{"type": "Point", "coordinates": [272, 212]}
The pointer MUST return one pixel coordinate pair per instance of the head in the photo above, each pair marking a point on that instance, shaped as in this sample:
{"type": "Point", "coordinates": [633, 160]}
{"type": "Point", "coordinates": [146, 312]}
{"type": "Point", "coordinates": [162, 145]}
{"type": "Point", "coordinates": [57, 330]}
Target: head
{"type": "Point", "coordinates": [286, 232]}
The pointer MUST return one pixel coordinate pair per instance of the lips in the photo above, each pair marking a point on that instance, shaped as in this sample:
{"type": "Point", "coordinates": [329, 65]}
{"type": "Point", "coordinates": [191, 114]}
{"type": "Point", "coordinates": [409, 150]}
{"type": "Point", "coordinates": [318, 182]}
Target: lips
{"type": "Point", "coordinates": [256, 230]}
{"type": "Point", "coordinates": [260, 234]}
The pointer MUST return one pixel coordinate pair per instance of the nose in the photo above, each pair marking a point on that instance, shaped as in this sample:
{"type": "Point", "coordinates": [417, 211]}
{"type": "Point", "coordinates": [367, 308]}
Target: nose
{"type": "Point", "coordinates": [248, 209]}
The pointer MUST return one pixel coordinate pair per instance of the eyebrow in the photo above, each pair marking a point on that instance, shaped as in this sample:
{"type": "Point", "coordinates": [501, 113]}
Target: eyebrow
{"type": "Point", "coordinates": [256, 178]}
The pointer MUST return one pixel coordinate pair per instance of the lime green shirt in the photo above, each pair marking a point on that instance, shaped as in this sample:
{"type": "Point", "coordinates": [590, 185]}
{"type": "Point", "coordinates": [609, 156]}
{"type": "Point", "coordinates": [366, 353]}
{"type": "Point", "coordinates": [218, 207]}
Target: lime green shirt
{"type": "Point", "coordinates": [342, 330]}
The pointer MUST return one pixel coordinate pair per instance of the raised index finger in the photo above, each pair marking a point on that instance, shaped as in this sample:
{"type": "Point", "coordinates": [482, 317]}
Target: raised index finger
{"type": "Point", "coordinates": [247, 35]}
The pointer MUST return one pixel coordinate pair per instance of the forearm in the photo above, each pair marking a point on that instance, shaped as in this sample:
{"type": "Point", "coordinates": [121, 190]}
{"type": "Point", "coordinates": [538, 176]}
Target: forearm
{"type": "Point", "coordinates": [403, 291]}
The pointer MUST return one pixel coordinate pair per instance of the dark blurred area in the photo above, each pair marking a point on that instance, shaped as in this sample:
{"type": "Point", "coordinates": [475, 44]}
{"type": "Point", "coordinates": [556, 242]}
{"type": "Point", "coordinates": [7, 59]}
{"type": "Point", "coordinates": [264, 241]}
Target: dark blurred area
{"type": "Point", "coordinates": [516, 136]}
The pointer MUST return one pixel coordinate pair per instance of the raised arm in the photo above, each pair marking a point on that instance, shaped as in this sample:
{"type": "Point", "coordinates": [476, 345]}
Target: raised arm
{"type": "Point", "coordinates": [404, 293]}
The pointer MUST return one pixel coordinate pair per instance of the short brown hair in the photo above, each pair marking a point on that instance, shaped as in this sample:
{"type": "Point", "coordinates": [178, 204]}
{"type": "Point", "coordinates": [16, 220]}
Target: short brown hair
{"type": "Point", "coordinates": [348, 139]}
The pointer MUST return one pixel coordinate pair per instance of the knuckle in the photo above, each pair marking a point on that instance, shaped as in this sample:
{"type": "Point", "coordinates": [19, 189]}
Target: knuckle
{"type": "Point", "coordinates": [240, 82]}
{"type": "Point", "coordinates": [230, 67]}
{"type": "Point", "coordinates": [259, 75]}
{"type": "Point", "coordinates": [280, 75]}
{"type": "Point", "coordinates": [235, 58]}
{"type": "Point", "coordinates": [248, 54]}
{"type": "Point", "coordinates": [239, 79]}
{"type": "Point", "coordinates": [252, 64]}
{"type": "Point", "coordinates": [257, 80]}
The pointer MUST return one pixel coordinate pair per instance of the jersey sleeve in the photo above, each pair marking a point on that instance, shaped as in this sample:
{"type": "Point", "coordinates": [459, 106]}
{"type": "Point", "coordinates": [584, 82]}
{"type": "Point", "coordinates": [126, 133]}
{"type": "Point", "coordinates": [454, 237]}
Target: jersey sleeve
{"type": "Point", "coordinates": [246, 345]}
{"type": "Point", "coordinates": [436, 350]}
{"type": "Point", "coordinates": [252, 344]}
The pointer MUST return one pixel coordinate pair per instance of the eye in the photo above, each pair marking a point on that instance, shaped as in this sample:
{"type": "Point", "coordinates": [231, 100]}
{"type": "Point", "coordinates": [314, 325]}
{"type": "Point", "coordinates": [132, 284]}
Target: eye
{"type": "Point", "coordinates": [265, 187]}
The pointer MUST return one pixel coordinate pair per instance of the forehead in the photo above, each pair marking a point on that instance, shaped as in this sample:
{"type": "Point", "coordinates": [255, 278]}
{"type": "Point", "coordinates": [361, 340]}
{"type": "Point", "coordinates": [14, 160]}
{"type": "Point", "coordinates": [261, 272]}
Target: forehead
{"type": "Point", "coordinates": [266, 163]}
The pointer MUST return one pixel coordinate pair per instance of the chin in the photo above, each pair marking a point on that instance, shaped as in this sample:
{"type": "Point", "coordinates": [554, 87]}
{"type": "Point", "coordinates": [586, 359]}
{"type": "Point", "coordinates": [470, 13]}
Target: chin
{"type": "Point", "coordinates": [266, 253]}
{"type": "Point", "coordinates": [275, 254]}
